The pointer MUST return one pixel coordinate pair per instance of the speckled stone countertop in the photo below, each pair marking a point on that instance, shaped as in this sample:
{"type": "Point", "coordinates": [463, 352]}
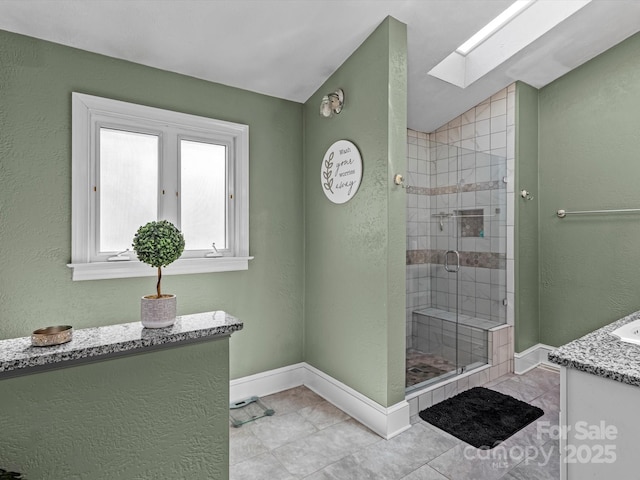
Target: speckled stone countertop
{"type": "Point", "coordinates": [603, 355]}
{"type": "Point", "coordinates": [18, 356]}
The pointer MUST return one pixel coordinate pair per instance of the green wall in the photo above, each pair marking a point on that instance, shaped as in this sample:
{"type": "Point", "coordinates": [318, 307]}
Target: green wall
{"type": "Point", "coordinates": [350, 257]}
{"type": "Point", "coordinates": [588, 159]}
{"type": "Point", "coordinates": [354, 259]}
{"type": "Point", "coordinates": [527, 278]}
{"type": "Point", "coordinates": [36, 81]}
{"type": "Point", "coordinates": [144, 417]}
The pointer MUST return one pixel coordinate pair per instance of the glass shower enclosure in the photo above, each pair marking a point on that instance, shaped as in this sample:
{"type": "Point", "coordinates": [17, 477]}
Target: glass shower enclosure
{"type": "Point", "coordinates": [456, 260]}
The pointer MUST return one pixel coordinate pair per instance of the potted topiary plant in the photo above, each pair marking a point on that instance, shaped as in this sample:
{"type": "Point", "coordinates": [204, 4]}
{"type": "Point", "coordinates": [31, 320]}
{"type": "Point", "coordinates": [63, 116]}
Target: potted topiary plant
{"type": "Point", "coordinates": [158, 244]}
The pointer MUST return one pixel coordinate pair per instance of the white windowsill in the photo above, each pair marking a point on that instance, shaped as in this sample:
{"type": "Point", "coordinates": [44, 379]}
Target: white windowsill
{"type": "Point", "coordinates": [135, 268]}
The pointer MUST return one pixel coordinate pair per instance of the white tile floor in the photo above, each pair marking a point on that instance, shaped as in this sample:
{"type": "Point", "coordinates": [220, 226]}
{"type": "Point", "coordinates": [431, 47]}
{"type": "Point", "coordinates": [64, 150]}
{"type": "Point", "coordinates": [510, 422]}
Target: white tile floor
{"type": "Point", "coordinates": [308, 438]}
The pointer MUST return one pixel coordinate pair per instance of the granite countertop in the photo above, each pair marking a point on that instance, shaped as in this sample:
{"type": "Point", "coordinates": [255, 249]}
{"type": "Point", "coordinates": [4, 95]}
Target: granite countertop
{"type": "Point", "coordinates": [603, 355]}
{"type": "Point", "coordinates": [18, 355]}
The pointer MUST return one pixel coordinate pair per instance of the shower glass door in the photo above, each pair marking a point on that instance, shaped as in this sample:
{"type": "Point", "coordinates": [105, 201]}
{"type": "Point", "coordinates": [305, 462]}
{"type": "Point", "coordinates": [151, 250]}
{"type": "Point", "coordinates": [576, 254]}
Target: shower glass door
{"type": "Point", "coordinates": [457, 271]}
{"type": "Point", "coordinates": [433, 349]}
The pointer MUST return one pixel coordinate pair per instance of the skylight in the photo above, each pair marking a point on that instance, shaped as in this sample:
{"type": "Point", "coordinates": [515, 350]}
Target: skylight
{"type": "Point", "coordinates": [517, 27]}
{"type": "Point", "coordinates": [493, 26]}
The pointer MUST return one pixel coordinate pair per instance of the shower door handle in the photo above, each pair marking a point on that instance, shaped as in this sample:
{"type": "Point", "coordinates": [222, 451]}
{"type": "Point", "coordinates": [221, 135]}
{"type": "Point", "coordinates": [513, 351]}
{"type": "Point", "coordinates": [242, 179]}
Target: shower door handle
{"type": "Point", "coordinates": [451, 268]}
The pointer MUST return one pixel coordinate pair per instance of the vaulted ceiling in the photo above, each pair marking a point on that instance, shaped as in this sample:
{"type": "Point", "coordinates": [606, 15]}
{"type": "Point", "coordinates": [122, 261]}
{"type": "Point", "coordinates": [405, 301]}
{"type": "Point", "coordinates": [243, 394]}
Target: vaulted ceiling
{"type": "Point", "coordinates": [288, 48]}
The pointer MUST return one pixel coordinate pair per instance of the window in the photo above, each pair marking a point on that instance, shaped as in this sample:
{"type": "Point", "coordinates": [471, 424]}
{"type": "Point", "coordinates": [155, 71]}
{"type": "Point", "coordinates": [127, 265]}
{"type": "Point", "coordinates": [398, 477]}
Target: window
{"type": "Point", "coordinates": [133, 164]}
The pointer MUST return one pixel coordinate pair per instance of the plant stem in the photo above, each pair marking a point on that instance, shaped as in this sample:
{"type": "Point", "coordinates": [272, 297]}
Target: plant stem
{"type": "Point", "coordinates": [159, 279]}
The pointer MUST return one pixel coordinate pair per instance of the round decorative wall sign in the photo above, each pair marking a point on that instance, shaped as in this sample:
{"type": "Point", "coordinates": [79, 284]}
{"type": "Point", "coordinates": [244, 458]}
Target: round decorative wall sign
{"type": "Point", "coordinates": [341, 171]}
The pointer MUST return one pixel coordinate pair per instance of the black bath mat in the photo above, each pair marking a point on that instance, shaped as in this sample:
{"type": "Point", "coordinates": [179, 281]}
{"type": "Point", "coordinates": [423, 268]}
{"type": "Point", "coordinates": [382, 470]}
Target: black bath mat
{"type": "Point", "coordinates": [481, 417]}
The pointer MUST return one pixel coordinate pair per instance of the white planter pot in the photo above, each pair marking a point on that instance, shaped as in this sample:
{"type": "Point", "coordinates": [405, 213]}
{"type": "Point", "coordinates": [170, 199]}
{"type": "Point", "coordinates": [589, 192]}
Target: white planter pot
{"type": "Point", "coordinates": [158, 312]}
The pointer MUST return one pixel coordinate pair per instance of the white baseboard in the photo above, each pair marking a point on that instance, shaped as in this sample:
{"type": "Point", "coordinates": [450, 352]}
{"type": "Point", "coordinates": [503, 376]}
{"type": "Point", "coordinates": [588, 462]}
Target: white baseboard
{"type": "Point", "coordinates": [266, 383]}
{"type": "Point", "coordinates": [385, 421]}
{"type": "Point", "coordinates": [533, 357]}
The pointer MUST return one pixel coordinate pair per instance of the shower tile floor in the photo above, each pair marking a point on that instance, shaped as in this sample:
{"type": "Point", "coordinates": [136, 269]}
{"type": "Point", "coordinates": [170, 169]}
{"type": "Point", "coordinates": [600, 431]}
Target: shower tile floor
{"type": "Point", "coordinates": [308, 438]}
{"type": "Point", "coordinates": [425, 366]}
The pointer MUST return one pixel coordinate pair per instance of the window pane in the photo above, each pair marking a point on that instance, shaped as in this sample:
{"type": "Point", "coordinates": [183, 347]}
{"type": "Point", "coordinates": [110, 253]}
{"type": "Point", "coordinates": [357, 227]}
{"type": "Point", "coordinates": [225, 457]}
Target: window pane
{"type": "Point", "coordinates": [128, 186]}
{"type": "Point", "coordinates": [203, 194]}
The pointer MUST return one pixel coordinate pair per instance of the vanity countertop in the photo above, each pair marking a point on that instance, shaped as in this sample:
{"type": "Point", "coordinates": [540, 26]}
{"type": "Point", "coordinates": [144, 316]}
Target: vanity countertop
{"type": "Point", "coordinates": [17, 355]}
{"type": "Point", "coordinates": [603, 355]}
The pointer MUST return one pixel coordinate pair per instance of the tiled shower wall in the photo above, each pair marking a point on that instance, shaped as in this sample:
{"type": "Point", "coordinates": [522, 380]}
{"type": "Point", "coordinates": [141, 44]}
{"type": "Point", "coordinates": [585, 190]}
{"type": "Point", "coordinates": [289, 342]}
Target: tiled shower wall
{"type": "Point", "coordinates": [477, 142]}
{"type": "Point", "coordinates": [470, 186]}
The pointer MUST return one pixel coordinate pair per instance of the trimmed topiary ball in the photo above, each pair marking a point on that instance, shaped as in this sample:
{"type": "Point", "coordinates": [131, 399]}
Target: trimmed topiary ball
{"type": "Point", "coordinates": [158, 243]}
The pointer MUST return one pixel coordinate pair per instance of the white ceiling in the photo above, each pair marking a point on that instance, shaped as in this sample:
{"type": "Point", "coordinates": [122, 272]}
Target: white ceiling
{"type": "Point", "coordinates": [288, 48]}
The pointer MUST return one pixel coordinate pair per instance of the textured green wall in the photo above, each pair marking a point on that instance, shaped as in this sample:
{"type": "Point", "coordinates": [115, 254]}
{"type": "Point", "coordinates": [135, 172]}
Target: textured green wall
{"type": "Point", "coordinates": [354, 259]}
{"type": "Point", "coordinates": [36, 81]}
{"type": "Point", "coordinates": [527, 314]}
{"type": "Point", "coordinates": [396, 217]}
{"type": "Point", "coordinates": [588, 154]}
{"type": "Point", "coordinates": [144, 417]}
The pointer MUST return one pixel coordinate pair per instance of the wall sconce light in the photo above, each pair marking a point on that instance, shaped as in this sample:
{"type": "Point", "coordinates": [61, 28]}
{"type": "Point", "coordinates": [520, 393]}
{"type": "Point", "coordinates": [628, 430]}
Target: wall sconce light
{"type": "Point", "coordinates": [332, 103]}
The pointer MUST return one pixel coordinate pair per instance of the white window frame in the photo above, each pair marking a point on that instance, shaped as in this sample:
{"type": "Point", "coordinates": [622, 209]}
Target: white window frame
{"type": "Point", "coordinates": [89, 113]}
